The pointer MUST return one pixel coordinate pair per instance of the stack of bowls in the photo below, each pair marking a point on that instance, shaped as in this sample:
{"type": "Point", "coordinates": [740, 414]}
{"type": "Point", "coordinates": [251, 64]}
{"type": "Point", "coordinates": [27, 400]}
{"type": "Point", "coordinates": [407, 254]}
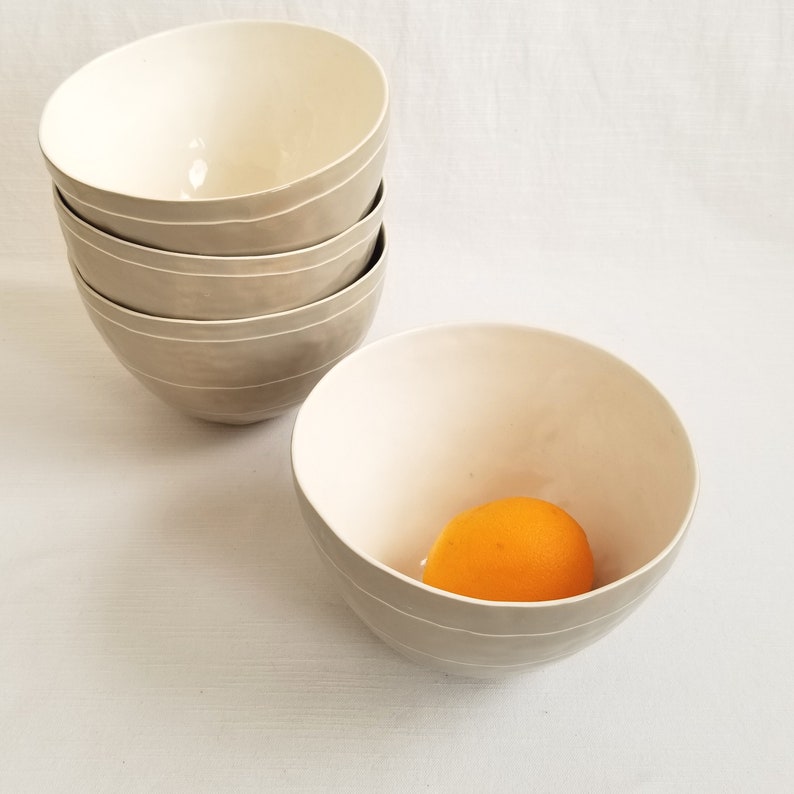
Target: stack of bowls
{"type": "Point", "coordinates": [220, 191]}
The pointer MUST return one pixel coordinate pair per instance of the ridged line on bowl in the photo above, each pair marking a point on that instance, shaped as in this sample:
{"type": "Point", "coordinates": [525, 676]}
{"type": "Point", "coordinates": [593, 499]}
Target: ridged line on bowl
{"type": "Point", "coordinates": [377, 155]}
{"type": "Point", "coordinates": [465, 669]}
{"type": "Point", "coordinates": [327, 365]}
{"type": "Point", "coordinates": [216, 274]}
{"type": "Point", "coordinates": [75, 224]}
{"type": "Point", "coordinates": [220, 404]}
{"type": "Point", "coordinates": [363, 298]}
{"type": "Point", "coordinates": [467, 632]}
{"type": "Point", "coordinates": [444, 642]}
{"type": "Point", "coordinates": [217, 296]}
{"type": "Point", "coordinates": [241, 367]}
{"type": "Point", "coordinates": [225, 417]}
{"type": "Point", "coordinates": [204, 401]}
{"type": "Point", "coordinates": [315, 221]}
{"type": "Point", "coordinates": [213, 297]}
{"type": "Point", "coordinates": [479, 651]}
{"type": "Point", "coordinates": [374, 271]}
{"type": "Point", "coordinates": [417, 596]}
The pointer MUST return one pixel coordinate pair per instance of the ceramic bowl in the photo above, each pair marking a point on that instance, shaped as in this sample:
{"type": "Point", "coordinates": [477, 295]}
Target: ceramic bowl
{"type": "Point", "coordinates": [410, 430]}
{"type": "Point", "coordinates": [225, 138]}
{"type": "Point", "coordinates": [193, 287]}
{"type": "Point", "coordinates": [240, 371]}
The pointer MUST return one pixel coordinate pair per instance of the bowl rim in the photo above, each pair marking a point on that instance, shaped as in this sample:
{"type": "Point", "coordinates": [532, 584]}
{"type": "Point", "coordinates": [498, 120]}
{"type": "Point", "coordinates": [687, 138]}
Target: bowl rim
{"type": "Point", "coordinates": [486, 325]}
{"type": "Point", "coordinates": [96, 61]}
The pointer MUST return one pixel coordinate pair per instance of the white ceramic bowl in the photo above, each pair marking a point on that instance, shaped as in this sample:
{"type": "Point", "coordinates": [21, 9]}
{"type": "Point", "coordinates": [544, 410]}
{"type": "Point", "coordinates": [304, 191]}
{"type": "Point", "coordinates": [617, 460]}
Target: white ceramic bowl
{"type": "Point", "coordinates": [241, 134]}
{"type": "Point", "coordinates": [410, 430]}
{"type": "Point", "coordinates": [240, 371]}
{"type": "Point", "coordinates": [186, 286]}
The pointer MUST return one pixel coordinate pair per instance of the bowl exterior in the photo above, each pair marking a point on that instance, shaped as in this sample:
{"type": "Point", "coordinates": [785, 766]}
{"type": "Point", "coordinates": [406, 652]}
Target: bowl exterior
{"type": "Point", "coordinates": [243, 362]}
{"type": "Point", "coordinates": [476, 654]}
{"type": "Point", "coordinates": [466, 637]}
{"type": "Point", "coordinates": [245, 328]}
{"type": "Point", "coordinates": [216, 295]}
{"type": "Point", "coordinates": [202, 265]}
{"type": "Point", "coordinates": [240, 405]}
{"type": "Point", "coordinates": [231, 376]}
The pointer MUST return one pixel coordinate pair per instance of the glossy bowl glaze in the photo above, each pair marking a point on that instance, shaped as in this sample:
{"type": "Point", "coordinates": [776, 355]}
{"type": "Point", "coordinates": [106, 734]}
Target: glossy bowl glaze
{"type": "Point", "coordinates": [248, 135]}
{"type": "Point", "coordinates": [192, 287]}
{"type": "Point", "coordinates": [410, 430]}
{"type": "Point", "coordinates": [240, 371]}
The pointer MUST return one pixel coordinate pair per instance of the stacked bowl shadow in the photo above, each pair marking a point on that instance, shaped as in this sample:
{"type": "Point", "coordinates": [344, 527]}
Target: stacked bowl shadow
{"type": "Point", "coordinates": [220, 192]}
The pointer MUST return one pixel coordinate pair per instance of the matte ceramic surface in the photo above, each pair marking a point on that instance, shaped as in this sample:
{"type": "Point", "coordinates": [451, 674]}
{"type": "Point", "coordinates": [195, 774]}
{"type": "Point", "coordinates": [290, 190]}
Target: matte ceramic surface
{"type": "Point", "coordinates": [240, 370]}
{"type": "Point", "coordinates": [227, 121]}
{"type": "Point", "coordinates": [484, 652]}
{"type": "Point", "coordinates": [183, 286]}
{"type": "Point", "coordinates": [235, 405]}
{"type": "Point", "coordinates": [410, 430]}
{"type": "Point", "coordinates": [319, 218]}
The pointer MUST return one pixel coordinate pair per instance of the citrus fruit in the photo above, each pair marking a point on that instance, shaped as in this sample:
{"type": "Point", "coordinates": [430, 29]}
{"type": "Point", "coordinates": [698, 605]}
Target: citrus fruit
{"type": "Point", "coordinates": [514, 549]}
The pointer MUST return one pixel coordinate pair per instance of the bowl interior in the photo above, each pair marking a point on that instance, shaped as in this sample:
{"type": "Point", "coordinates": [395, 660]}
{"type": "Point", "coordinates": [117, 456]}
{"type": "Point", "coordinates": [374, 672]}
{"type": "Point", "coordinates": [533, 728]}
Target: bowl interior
{"type": "Point", "coordinates": [410, 430]}
{"type": "Point", "coordinates": [214, 110]}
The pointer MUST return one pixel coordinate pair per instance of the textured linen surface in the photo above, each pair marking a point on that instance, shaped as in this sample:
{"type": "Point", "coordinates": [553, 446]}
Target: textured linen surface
{"type": "Point", "coordinates": [619, 171]}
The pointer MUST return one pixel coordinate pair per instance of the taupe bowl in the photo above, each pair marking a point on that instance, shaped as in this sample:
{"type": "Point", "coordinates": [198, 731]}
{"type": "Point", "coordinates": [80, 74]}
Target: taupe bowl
{"type": "Point", "coordinates": [192, 287]}
{"type": "Point", "coordinates": [240, 371]}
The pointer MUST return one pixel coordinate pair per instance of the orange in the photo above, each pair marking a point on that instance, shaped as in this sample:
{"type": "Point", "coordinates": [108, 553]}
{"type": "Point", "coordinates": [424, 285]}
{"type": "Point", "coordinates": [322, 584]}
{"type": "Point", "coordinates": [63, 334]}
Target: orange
{"type": "Point", "coordinates": [514, 549]}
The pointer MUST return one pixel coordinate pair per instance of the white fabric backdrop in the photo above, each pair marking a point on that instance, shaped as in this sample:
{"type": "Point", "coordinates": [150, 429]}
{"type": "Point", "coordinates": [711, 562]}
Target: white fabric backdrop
{"type": "Point", "coordinates": [618, 171]}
